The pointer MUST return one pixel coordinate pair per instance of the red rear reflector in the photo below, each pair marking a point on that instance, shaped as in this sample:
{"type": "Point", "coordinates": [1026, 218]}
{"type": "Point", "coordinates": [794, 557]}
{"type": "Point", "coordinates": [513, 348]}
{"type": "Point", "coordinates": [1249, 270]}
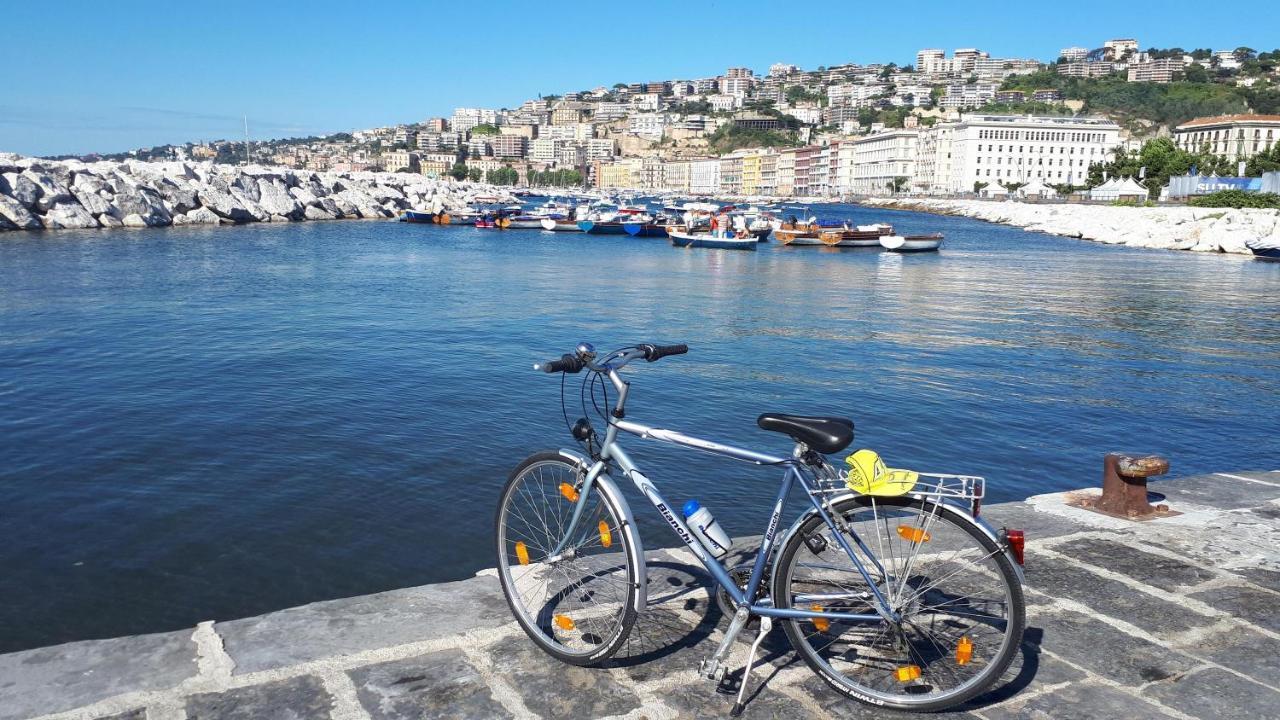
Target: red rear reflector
{"type": "Point", "coordinates": [1016, 540]}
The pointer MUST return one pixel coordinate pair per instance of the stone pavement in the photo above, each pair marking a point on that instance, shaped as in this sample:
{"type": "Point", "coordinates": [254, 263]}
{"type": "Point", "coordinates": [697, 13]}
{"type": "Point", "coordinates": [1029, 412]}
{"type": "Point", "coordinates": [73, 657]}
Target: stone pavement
{"type": "Point", "coordinates": [1172, 618]}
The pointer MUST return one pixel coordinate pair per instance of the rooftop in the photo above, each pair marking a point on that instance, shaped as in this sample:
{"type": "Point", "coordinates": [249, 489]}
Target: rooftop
{"type": "Point", "coordinates": [1228, 119]}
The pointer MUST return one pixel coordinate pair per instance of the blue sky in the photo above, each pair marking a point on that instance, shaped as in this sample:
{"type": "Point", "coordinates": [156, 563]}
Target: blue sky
{"type": "Point", "coordinates": [93, 76]}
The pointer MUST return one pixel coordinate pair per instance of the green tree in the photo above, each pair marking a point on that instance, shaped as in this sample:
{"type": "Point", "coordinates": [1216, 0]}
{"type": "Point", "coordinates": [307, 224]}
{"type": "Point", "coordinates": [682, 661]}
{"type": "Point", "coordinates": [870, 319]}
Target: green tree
{"type": "Point", "coordinates": [1265, 161]}
{"type": "Point", "coordinates": [978, 185]}
{"type": "Point", "coordinates": [475, 174]}
{"type": "Point", "coordinates": [1161, 159]}
{"type": "Point", "coordinates": [897, 184]}
{"type": "Point", "coordinates": [458, 171]}
{"type": "Point", "coordinates": [1196, 73]}
{"type": "Point", "coordinates": [485, 129]}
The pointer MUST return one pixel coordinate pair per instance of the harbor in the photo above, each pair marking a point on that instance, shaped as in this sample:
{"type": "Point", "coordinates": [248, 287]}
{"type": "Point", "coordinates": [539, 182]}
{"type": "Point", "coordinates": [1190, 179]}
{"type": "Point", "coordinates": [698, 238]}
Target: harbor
{"type": "Point", "coordinates": [1171, 617]}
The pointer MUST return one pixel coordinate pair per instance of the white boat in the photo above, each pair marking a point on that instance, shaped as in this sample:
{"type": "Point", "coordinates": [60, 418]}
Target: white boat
{"type": "Point", "coordinates": [560, 225]}
{"type": "Point", "coordinates": [911, 243]}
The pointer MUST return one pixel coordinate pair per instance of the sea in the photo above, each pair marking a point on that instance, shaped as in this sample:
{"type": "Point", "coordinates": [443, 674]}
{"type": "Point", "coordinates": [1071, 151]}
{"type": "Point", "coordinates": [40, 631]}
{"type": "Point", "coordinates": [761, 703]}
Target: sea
{"type": "Point", "coordinates": [215, 422]}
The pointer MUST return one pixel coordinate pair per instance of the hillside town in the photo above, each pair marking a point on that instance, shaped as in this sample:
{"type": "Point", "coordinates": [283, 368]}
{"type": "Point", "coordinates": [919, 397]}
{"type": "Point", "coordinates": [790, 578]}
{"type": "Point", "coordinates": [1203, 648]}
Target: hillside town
{"type": "Point", "coordinates": [951, 123]}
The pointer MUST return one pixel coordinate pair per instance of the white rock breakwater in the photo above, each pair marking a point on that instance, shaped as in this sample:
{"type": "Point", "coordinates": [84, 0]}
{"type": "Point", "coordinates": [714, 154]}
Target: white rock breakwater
{"type": "Point", "coordinates": [1170, 228]}
{"type": "Point", "coordinates": [40, 194]}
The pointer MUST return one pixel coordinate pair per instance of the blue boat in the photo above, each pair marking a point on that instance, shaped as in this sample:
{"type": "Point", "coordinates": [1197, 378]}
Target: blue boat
{"type": "Point", "coordinates": [707, 240]}
{"type": "Point", "coordinates": [1263, 249]}
{"type": "Point", "coordinates": [601, 228]}
{"type": "Point", "coordinates": [643, 229]}
{"type": "Point", "coordinates": [417, 217]}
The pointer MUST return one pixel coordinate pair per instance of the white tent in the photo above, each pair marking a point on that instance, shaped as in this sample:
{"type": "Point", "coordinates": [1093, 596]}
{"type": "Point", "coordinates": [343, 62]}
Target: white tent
{"type": "Point", "coordinates": [995, 190]}
{"type": "Point", "coordinates": [1119, 189]}
{"type": "Point", "coordinates": [1036, 188]}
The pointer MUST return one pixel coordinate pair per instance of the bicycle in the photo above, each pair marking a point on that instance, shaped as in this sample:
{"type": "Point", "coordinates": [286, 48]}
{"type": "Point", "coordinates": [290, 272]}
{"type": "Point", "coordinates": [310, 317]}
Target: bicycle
{"type": "Point", "coordinates": [899, 597]}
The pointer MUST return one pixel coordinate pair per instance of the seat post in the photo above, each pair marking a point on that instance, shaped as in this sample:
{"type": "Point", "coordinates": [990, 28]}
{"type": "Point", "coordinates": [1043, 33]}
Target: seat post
{"type": "Point", "coordinates": [799, 451]}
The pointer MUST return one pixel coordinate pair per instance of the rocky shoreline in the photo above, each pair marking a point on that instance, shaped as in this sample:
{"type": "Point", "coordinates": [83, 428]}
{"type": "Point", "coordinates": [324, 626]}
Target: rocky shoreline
{"type": "Point", "coordinates": [1169, 228]}
{"type": "Point", "coordinates": [40, 194]}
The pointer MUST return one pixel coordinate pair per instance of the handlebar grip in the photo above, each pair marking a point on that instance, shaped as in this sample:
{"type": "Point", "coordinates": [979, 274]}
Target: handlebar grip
{"type": "Point", "coordinates": [566, 363]}
{"type": "Point", "coordinates": [657, 352]}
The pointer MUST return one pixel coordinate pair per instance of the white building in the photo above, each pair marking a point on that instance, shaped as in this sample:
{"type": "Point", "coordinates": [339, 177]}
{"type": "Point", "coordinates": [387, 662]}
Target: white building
{"type": "Point", "coordinates": [725, 102]}
{"type": "Point", "coordinates": [1074, 54]}
{"type": "Point", "coordinates": [1116, 50]}
{"type": "Point", "coordinates": [600, 149]}
{"type": "Point", "coordinates": [647, 125]}
{"type": "Point", "coordinates": [704, 176]}
{"type": "Point", "coordinates": [869, 165]}
{"type": "Point", "coordinates": [1016, 148]}
{"type": "Point", "coordinates": [466, 118]}
{"type": "Point", "coordinates": [968, 96]}
{"type": "Point", "coordinates": [545, 150]}
{"type": "Point", "coordinates": [783, 70]}
{"type": "Point", "coordinates": [1236, 137]}
{"type": "Point", "coordinates": [645, 102]}
{"type": "Point", "coordinates": [808, 116]}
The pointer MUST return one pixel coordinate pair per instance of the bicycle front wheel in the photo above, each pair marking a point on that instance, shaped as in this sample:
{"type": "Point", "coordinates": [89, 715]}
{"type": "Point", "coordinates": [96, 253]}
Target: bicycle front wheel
{"type": "Point", "coordinates": [960, 603]}
{"type": "Point", "coordinates": [572, 593]}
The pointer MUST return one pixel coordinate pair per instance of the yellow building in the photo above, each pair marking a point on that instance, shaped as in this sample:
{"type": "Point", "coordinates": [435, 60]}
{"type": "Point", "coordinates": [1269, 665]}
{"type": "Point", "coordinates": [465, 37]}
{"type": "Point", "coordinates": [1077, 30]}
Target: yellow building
{"type": "Point", "coordinates": [619, 174]}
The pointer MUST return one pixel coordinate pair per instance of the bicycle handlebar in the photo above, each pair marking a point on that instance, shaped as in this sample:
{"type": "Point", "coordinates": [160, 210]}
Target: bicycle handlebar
{"type": "Point", "coordinates": [567, 363]}
{"type": "Point", "coordinates": [657, 352]}
{"type": "Point", "coordinates": [574, 363]}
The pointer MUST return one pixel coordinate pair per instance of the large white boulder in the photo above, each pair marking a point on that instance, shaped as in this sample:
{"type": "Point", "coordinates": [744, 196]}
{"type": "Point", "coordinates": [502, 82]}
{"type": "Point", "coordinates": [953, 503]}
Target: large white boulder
{"type": "Point", "coordinates": [18, 215]}
{"type": "Point", "coordinates": [20, 188]}
{"type": "Point", "coordinates": [274, 198]}
{"type": "Point", "coordinates": [69, 214]}
{"type": "Point", "coordinates": [203, 216]}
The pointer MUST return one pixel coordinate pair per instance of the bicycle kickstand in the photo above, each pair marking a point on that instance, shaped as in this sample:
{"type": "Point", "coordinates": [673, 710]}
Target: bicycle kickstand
{"type": "Point", "coordinates": [766, 624]}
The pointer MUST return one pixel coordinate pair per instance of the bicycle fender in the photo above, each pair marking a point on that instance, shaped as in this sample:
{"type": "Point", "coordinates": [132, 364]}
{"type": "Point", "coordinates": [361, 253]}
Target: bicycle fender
{"type": "Point", "coordinates": [611, 491]}
{"type": "Point", "coordinates": [982, 525]}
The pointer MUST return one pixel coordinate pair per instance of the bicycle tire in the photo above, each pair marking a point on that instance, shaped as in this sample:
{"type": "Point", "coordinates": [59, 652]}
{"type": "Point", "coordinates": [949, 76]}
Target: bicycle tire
{"type": "Point", "coordinates": [993, 668]}
{"type": "Point", "coordinates": [540, 623]}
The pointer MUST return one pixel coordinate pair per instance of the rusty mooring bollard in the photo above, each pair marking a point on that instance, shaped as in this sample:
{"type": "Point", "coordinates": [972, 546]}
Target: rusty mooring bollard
{"type": "Point", "coordinates": [1124, 484]}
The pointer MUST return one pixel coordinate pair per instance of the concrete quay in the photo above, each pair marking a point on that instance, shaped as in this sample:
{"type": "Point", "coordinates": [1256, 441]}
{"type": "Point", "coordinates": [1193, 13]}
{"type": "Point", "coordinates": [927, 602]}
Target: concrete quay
{"type": "Point", "coordinates": [1168, 618]}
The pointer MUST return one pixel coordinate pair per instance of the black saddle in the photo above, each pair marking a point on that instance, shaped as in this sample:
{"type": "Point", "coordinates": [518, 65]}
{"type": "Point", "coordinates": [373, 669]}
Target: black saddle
{"type": "Point", "coordinates": [824, 434]}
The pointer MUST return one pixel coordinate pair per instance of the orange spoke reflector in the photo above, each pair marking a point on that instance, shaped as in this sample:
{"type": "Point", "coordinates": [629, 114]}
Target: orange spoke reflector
{"type": "Point", "coordinates": [564, 622]}
{"type": "Point", "coordinates": [568, 492]}
{"type": "Point", "coordinates": [822, 624]}
{"type": "Point", "coordinates": [913, 534]}
{"type": "Point", "coordinates": [964, 650]}
{"type": "Point", "coordinates": [522, 553]}
{"type": "Point", "coordinates": [907, 673]}
{"type": "Point", "coordinates": [606, 537]}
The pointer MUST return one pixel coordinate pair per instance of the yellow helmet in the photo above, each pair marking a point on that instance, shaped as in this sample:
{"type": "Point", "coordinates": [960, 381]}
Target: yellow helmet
{"type": "Point", "coordinates": [869, 476]}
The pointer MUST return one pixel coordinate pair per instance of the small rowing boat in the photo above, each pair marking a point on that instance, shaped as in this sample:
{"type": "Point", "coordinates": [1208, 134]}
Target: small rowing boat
{"type": "Point", "coordinates": [859, 236]}
{"type": "Point", "coordinates": [601, 228]}
{"type": "Point", "coordinates": [911, 243]}
{"type": "Point", "coordinates": [679, 238]}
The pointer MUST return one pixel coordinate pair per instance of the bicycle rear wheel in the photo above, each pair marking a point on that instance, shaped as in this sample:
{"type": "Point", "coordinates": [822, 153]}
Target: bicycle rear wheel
{"type": "Point", "coordinates": [577, 604]}
{"type": "Point", "coordinates": [960, 601]}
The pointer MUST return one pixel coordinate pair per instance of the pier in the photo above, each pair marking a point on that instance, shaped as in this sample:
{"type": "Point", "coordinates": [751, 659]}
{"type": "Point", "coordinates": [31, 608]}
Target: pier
{"type": "Point", "coordinates": [1171, 617]}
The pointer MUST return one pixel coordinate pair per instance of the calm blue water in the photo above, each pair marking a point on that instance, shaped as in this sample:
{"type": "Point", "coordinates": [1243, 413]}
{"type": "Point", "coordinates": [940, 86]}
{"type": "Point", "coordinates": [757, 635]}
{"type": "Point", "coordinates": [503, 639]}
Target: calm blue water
{"type": "Point", "coordinates": [213, 423]}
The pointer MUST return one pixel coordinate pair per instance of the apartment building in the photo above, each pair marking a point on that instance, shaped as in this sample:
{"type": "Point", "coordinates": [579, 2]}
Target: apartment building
{"type": "Point", "coordinates": [1159, 71]}
{"type": "Point", "coordinates": [510, 146]}
{"type": "Point", "coordinates": [1074, 54]}
{"type": "Point", "coordinates": [466, 118]}
{"type": "Point", "coordinates": [1085, 69]}
{"type": "Point", "coordinates": [785, 174]}
{"type": "Point", "coordinates": [400, 160]}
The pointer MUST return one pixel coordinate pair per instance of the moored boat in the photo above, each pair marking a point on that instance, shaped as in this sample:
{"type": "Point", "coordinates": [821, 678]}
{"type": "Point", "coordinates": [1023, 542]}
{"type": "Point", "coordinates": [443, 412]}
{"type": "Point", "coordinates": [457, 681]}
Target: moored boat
{"type": "Point", "coordinates": [798, 234]}
{"type": "Point", "coordinates": [680, 238]}
{"type": "Point", "coordinates": [645, 229]}
{"type": "Point", "coordinates": [1263, 249]}
{"type": "Point", "coordinates": [911, 243]}
{"type": "Point", "coordinates": [412, 216]}
{"type": "Point", "coordinates": [524, 222]}
{"type": "Point", "coordinates": [858, 236]}
{"type": "Point", "coordinates": [601, 227]}
{"type": "Point", "coordinates": [560, 225]}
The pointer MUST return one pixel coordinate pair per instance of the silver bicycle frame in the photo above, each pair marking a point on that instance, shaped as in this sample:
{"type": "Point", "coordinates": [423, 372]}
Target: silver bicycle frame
{"type": "Point", "coordinates": [610, 450]}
